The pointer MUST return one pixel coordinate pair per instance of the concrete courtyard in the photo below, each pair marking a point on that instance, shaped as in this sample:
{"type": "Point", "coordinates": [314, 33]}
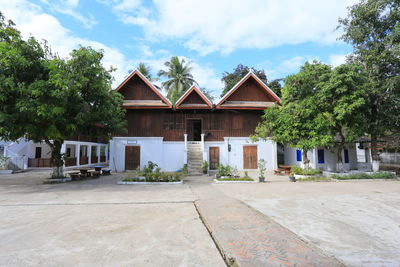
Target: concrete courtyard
{"type": "Point", "coordinates": [98, 222]}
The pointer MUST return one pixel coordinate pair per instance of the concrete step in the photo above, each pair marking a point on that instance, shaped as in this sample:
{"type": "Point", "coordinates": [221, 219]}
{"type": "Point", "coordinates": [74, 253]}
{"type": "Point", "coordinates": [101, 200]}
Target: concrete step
{"type": "Point", "coordinates": [194, 166]}
{"type": "Point", "coordinates": [195, 174]}
{"type": "Point", "coordinates": [195, 159]}
{"type": "Point", "coordinates": [195, 163]}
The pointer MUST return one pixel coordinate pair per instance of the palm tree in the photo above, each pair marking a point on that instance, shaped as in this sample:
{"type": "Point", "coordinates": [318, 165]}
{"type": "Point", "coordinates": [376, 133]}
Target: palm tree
{"type": "Point", "coordinates": [179, 78]}
{"type": "Point", "coordinates": [146, 71]}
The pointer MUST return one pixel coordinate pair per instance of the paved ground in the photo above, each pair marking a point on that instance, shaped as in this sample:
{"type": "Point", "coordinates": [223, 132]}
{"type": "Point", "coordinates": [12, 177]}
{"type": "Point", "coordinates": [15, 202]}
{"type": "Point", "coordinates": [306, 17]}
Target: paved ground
{"type": "Point", "coordinates": [99, 223]}
{"type": "Point", "coordinates": [357, 222]}
{"type": "Point", "coordinates": [248, 238]}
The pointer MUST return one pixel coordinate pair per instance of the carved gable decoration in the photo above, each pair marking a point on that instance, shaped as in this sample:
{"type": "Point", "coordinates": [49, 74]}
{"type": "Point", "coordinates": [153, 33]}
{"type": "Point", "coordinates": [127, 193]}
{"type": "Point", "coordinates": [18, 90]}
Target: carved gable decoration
{"type": "Point", "coordinates": [193, 99]}
{"type": "Point", "coordinates": [139, 92]}
{"type": "Point", "coordinates": [249, 93]}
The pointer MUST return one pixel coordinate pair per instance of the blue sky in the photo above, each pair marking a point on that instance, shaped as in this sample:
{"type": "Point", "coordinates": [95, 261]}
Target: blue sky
{"type": "Point", "coordinates": [275, 35]}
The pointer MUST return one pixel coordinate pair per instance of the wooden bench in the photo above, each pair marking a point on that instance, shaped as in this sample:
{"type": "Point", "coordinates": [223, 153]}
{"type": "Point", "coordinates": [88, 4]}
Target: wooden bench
{"type": "Point", "coordinates": [282, 171]}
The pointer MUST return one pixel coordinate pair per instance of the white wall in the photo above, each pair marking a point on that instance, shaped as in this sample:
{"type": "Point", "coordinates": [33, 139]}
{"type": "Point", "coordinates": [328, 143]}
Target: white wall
{"type": "Point", "coordinates": [168, 156]}
{"type": "Point", "coordinates": [173, 156]}
{"type": "Point", "coordinates": [31, 148]}
{"type": "Point", "coordinates": [329, 156]}
{"type": "Point", "coordinates": [265, 150]}
{"type": "Point", "coordinates": [291, 156]}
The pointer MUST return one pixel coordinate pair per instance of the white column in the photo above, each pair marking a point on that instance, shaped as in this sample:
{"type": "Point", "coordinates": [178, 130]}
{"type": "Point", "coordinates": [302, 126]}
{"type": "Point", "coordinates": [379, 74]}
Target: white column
{"type": "Point", "coordinates": [98, 153]}
{"type": "Point", "coordinates": [89, 151]}
{"type": "Point", "coordinates": [77, 154]}
{"type": "Point", "coordinates": [63, 150]}
{"type": "Point", "coordinates": [315, 158]}
{"type": "Point", "coordinates": [186, 150]}
{"type": "Point", "coordinates": [202, 148]}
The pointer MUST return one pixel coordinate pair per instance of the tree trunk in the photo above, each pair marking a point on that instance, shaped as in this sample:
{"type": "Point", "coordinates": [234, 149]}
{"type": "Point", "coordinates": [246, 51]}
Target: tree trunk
{"type": "Point", "coordinates": [57, 159]}
{"type": "Point", "coordinates": [339, 163]}
{"type": "Point", "coordinates": [374, 153]}
{"type": "Point", "coordinates": [306, 161]}
{"type": "Point", "coordinates": [340, 146]}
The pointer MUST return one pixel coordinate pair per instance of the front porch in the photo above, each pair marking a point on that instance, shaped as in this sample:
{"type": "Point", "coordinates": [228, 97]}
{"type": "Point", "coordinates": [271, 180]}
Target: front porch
{"type": "Point", "coordinates": [76, 153]}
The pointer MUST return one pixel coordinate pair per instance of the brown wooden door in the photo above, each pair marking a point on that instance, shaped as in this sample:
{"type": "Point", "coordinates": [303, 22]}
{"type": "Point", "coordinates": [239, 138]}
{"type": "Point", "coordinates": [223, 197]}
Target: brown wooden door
{"type": "Point", "coordinates": [249, 157]}
{"type": "Point", "coordinates": [214, 157]}
{"type": "Point", "coordinates": [132, 157]}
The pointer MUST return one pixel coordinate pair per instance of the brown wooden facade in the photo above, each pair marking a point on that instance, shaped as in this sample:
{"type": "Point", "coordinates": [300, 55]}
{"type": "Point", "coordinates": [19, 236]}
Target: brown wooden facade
{"type": "Point", "coordinates": [173, 124]}
{"type": "Point", "coordinates": [149, 114]}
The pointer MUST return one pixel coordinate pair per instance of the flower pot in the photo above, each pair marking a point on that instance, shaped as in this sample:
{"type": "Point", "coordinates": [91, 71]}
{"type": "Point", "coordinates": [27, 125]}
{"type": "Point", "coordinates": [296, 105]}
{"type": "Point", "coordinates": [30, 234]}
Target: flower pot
{"type": "Point", "coordinates": [261, 179]}
{"type": "Point", "coordinates": [292, 178]}
{"type": "Point", "coordinates": [204, 171]}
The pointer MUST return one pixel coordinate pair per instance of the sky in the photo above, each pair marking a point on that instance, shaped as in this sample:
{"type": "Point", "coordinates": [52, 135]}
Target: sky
{"type": "Point", "coordinates": [215, 36]}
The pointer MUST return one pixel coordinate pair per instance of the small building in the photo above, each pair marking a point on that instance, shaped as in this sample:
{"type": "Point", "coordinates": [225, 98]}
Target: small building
{"type": "Point", "coordinates": [326, 159]}
{"type": "Point", "coordinates": [194, 130]}
{"type": "Point", "coordinates": [25, 154]}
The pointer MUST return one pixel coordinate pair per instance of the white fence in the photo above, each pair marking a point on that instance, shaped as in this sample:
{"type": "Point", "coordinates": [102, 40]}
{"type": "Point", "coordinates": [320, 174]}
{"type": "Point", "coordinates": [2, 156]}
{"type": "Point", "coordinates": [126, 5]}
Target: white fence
{"type": "Point", "coordinates": [390, 157]}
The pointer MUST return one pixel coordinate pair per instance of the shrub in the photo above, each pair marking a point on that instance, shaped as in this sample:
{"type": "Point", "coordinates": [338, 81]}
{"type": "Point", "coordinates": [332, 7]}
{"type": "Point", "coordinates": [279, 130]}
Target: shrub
{"type": "Point", "coordinates": [376, 175]}
{"type": "Point", "coordinates": [307, 171]}
{"type": "Point", "coordinates": [185, 169]}
{"type": "Point", "coordinates": [223, 170]}
{"type": "Point", "coordinates": [235, 179]}
{"type": "Point", "coordinates": [205, 166]}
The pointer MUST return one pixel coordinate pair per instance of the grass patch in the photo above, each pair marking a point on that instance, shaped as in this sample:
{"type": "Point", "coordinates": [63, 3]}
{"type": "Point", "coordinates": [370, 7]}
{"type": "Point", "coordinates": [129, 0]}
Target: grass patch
{"type": "Point", "coordinates": [314, 179]}
{"type": "Point", "coordinates": [235, 179]}
{"type": "Point", "coordinates": [307, 171]}
{"type": "Point", "coordinates": [377, 175]}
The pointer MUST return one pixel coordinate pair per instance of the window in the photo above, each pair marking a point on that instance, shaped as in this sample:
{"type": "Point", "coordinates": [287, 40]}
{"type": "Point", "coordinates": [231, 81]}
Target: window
{"type": "Point", "coordinates": [173, 122]}
{"type": "Point", "coordinates": [321, 156]}
{"type": "Point", "coordinates": [216, 123]}
{"type": "Point", "coordinates": [298, 155]}
{"type": "Point", "coordinates": [346, 156]}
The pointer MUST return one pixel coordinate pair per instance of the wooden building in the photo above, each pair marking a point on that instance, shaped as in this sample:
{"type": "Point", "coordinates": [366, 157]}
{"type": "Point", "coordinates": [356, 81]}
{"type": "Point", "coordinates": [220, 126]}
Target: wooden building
{"type": "Point", "coordinates": [194, 130]}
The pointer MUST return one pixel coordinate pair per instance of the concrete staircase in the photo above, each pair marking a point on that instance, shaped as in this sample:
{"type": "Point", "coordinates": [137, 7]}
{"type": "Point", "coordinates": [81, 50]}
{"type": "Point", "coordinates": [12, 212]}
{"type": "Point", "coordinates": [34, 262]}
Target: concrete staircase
{"type": "Point", "coordinates": [195, 159]}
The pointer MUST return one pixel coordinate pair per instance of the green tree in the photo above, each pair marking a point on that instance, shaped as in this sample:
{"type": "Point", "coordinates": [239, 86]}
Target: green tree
{"type": "Point", "coordinates": [46, 98]}
{"type": "Point", "coordinates": [179, 78]}
{"type": "Point", "coordinates": [342, 97]}
{"type": "Point", "coordinates": [146, 71]}
{"type": "Point", "coordinates": [372, 27]}
{"type": "Point", "coordinates": [299, 122]}
{"type": "Point", "coordinates": [207, 93]}
{"type": "Point", "coordinates": [276, 86]}
{"type": "Point", "coordinates": [232, 78]}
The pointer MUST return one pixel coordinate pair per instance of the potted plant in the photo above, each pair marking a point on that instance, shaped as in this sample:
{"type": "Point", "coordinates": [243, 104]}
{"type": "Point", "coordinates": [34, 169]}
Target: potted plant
{"type": "Point", "coordinates": [262, 169]}
{"type": "Point", "coordinates": [205, 167]}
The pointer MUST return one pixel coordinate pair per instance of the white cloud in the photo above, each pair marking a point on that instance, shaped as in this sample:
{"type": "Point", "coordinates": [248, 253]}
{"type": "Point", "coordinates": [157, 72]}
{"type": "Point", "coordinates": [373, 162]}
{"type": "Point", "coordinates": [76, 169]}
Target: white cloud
{"type": "Point", "coordinates": [31, 20]}
{"type": "Point", "coordinates": [68, 7]}
{"type": "Point", "coordinates": [227, 25]}
{"type": "Point", "coordinates": [286, 67]}
{"type": "Point", "coordinates": [203, 74]}
{"type": "Point", "coordinates": [337, 59]}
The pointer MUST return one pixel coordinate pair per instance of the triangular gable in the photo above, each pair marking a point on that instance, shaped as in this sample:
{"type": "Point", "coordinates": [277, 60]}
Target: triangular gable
{"type": "Point", "coordinates": [139, 92]}
{"type": "Point", "coordinates": [249, 93]}
{"type": "Point", "coordinates": [193, 99]}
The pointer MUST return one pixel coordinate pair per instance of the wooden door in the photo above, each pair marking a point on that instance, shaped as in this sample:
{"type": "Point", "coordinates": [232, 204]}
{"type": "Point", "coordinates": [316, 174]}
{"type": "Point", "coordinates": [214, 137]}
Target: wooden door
{"type": "Point", "coordinates": [250, 157]}
{"type": "Point", "coordinates": [214, 157]}
{"type": "Point", "coordinates": [132, 157]}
